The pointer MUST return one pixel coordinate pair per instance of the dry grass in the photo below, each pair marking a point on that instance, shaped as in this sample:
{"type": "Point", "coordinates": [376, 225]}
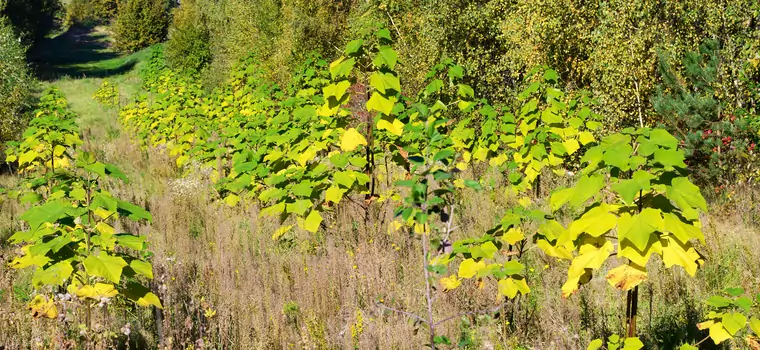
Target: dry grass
{"type": "Point", "coordinates": [226, 284]}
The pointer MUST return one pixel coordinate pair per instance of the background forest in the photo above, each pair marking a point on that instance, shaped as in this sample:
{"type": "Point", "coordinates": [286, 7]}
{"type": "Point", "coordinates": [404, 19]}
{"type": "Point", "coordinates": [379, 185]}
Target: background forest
{"type": "Point", "coordinates": [264, 174]}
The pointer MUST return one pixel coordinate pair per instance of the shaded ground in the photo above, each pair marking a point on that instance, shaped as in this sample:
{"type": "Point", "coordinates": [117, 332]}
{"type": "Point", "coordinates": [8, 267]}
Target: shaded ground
{"type": "Point", "coordinates": [79, 52]}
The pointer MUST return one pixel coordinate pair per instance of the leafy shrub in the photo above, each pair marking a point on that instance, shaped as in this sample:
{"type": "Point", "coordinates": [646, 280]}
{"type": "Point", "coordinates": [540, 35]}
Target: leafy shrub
{"type": "Point", "coordinates": [718, 144]}
{"type": "Point", "coordinates": [188, 45]}
{"type": "Point", "coordinates": [141, 23]}
{"type": "Point", "coordinates": [16, 83]}
{"type": "Point", "coordinates": [32, 19]}
{"type": "Point", "coordinates": [90, 12]}
{"type": "Point", "coordinates": [107, 94]}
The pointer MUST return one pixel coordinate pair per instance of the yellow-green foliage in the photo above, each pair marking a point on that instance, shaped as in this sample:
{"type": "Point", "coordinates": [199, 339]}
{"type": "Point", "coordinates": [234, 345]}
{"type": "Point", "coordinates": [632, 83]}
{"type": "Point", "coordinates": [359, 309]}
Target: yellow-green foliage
{"type": "Point", "coordinates": [90, 12]}
{"type": "Point", "coordinates": [188, 46]}
{"type": "Point", "coordinates": [610, 48]}
{"type": "Point", "coordinates": [141, 23]}
{"type": "Point", "coordinates": [107, 94]}
{"type": "Point", "coordinates": [16, 84]}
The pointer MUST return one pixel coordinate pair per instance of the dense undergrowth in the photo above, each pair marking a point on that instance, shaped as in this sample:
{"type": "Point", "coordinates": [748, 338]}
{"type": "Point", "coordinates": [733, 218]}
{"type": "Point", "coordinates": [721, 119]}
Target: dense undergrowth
{"type": "Point", "coordinates": [366, 200]}
{"type": "Point", "coordinates": [339, 212]}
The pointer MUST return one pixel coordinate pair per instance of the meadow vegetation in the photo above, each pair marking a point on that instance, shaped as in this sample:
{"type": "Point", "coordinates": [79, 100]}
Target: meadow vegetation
{"type": "Point", "coordinates": [381, 175]}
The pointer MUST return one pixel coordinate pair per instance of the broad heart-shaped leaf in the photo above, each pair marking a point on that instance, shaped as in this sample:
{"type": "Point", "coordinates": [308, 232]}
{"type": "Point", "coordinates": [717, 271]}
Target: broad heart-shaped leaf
{"type": "Point", "coordinates": [133, 212]}
{"type": "Point", "coordinates": [718, 334]}
{"type": "Point", "coordinates": [105, 170]}
{"type": "Point", "coordinates": [670, 158]}
{"type": "Point", "coordinates": [298, 207]}
{"type": "Point", "coordinates": [232, 199]}
{"type": "Point", "coordinates": [571, 146]}
{"type": "Point", "coordinates": [27, 157]}
{"type": "Point", "coordinates": [54, 275]}
{"type": "Point", "coordinates": [469, 267]}
{"type": "Point", "coordinates": [351, 139]}
{"type": "Point", "coordinates": [591, 258]}
{"type": "Point", "coordinates": [334, 194]}
{"type": "Point", "coordinates": [386, 56]}
{"type": "Point", "coordinates": [378, 102]}
{"type": "Point", "coordinates": [595, 222]}
{"type": "Point", "coordinates": [49, 212]}
{"type": "Point", "coordinates": [733, 322]}
{"type": "Point", "coordinates": [106, 266]}
{"type": "Point", "coordinates": [142, 267]}
{"type": "Point", "coordinates": [687, 197]}
{"type": "Point", "coordinates": [141, 295]}
{"type": "Point", "coordinates": [98, 291]}
{"type": "Point", "coordinates": [341, 67]}
{"type": "Point", "coordinates": [595, 344]}
{"type": "Point", "coordinates": [638, 228]}
{"type": "Point", "coordinates": [754, 325]}
{"type": "Point", "coordinates": [662, 137]}
{"type": "Point", "coordinates": [336, 90]}
{"type": "Point", "coordinates": [449, 283]}
{"type": "Point", "coordinates": [683, 254]}
{"type": "Point", "coordinates": [632, 344]}
{"type": "Point", "coordinates": [625, 277]}
{"type": "Point", "coordinates": [718, 301]}
{"type": "Point", "coordinates": [354, 46]}
{"type": "Point", "coordinates": [587, 187]}
{"type": "Point", "coordinates": [393, 125]}
{"type": "Point", "coordinates": [684, 231]}
{"type": "Point", "coordinates": [131, 241]}
{"type": "Point", "coordinates": [617, 150]}
{"type": "Point", "coordinates": [509, 287]}
{"type": "Point", "coordinates": [628, 189]}
{"type": "Point", "coordinates": [384, 82]}
{"type": "Point", "coordinates": [688, 347]}
{"type": "Point", "coordinates": [311, 223]}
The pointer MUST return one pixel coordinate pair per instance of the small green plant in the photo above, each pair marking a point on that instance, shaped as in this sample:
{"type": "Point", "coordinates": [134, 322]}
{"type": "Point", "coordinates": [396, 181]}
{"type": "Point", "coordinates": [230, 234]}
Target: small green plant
{"type": "Point", "coordinates": [70, 238]}
{"type": "Point", "coordinates": [107, 94]}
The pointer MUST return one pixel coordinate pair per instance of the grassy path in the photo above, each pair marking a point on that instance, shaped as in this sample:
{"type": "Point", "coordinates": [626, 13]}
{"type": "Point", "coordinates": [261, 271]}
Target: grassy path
{"type": "Point", "coordinates": [78, 60]}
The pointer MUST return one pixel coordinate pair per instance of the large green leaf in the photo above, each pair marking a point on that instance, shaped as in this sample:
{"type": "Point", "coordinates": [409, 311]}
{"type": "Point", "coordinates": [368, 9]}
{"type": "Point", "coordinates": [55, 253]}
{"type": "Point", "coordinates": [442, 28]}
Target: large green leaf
{"type": "Point", "coordinates": [106, 266]}
{"type": "Point", "coordinates": [49, 212]}
{"type": "Point", "coordinates": [638, 228]}
{"type": "Point", "coordinates": [384, 82]}
{"type": "Point", "coordinates": [628, 189]}
{"type": "Point", "coordinates": [133, 212]}
{"type": "Point", "coordinates": [687, 197]}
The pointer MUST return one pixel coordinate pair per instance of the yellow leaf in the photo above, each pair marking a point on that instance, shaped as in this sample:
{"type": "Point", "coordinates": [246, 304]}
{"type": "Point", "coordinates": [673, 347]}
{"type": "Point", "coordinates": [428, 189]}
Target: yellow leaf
{"type": "Point", "coordinates": [232, 200]}
{"type": "Point", "coordinates": [306, 156]}
{"type": "Point", "coordinates": [100, 290]}
{"type": "Point", "coordinates": [571, 146]}
{"type": "Point", "coordinates": [509, 287]}
{"type": "Point", "coordinates": [281, 231]}
{"type": "Point", "coordinates": [58, 150]}
{"type": "Point", "coordinates": [334, 194]}
{"type": "Point", "coordinates": [676, 253]}
{"type": "Point", "coordinates": [557, 252]}
{"type": "Point", "coordinates": [498, 160]}
{"type": "Point", "coordinates": [43, 307]}
{"type": "Point", "coordinates": [396, 127]}
{"type": "Point", "coordinates": [449, 283]}
{"type": "Point", "coordinates": [718, 334]}
{"type": "Point", "coordinates": [105, 229]}
{"type": "Point", "coordinates": [351, 139]}
{"type": "Point", "coordinates": [591, 258]}
{"type": "Point", "coordinates": [513, 236]}
{"type": "Point", "coordinates": [469, 268]}
{"type": "Point", "coordinates": [311, 223]}
{"type": "Point", "coordinates": [586, 137]}
{"type": "Point", "coordinates": [625, 277]}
